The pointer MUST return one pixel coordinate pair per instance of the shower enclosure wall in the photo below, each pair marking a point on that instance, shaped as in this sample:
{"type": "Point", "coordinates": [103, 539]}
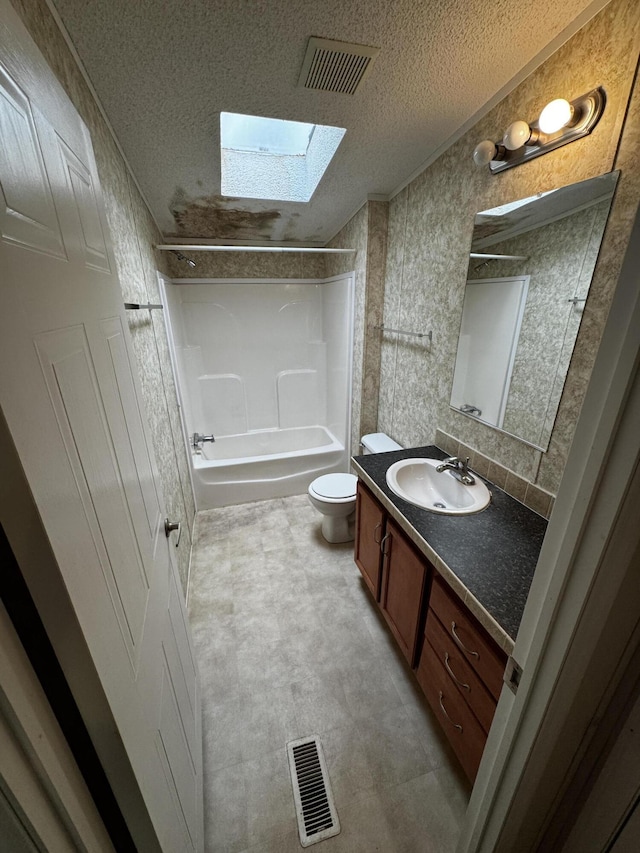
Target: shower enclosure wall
{"type": "Point", "coordinates": [265, 367]}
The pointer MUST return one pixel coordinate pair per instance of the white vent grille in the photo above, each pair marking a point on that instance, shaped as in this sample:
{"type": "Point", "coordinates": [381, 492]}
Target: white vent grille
{"type": "Point", "coordinates": [335, 66]}
{"type": "Point", "coordinates": [315, 810]}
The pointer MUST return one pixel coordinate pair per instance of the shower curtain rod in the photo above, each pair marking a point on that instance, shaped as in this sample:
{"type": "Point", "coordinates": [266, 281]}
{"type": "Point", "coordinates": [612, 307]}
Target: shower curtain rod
{"type": "Point", "coordinates": [188, 247]}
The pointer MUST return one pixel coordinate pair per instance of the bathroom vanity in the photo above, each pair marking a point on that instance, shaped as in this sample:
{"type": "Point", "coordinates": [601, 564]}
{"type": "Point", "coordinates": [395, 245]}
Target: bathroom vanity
{"type": "Point", "coordinates": [452, 591]}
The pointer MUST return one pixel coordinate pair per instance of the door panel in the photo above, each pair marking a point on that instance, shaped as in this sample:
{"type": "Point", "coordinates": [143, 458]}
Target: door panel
{"type": "Point", "coordinates": [179, 731]}
{"type": "Point", "coordinates": [118, 388]}
{"type": "Point", "coordinates": [71, 400]}
{"type": "Point", "coordinates": [92, 244]}
{"type": "Point", "coordinates": [28, 213]}
{"type": "Point", "coordinates": [66, 363]}
{"type": "Point", "coordinates": [175, 748]}
{"type": "Point", "coordinates": [181, 661]}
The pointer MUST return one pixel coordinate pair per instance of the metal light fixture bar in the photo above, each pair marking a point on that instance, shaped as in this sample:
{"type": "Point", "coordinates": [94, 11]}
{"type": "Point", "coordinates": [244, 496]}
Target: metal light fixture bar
{"type": "Point", "coordinates": [585, 114]}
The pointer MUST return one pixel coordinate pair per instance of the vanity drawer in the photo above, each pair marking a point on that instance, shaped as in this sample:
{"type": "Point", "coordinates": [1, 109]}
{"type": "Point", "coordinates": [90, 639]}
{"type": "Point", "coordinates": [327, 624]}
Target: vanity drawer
{"type": "Point", "coordinates": [464, 732]}
{"type": "Point", "coordinates": [460, 672]}
{"type": "Point", "coordinates": [471, 639]}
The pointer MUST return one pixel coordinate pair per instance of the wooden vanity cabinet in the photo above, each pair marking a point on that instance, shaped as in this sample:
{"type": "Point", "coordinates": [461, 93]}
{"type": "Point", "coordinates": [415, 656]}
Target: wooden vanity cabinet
{"type": "Point", "coordinates": [370, 529]}
{"type": "Point", "coordinates": [457, 664]}
{"type": "Point", "coordinates": [460, 671]}
{"type": "Point", "coordinates": [405, 575]}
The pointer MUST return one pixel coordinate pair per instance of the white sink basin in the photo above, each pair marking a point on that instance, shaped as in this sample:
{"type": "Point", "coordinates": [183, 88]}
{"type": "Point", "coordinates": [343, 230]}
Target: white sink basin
{"type": "Point", "coordinates": [417, 481]}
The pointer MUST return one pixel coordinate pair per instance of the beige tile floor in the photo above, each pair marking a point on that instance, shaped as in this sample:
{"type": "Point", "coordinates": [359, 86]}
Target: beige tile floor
{"type": "Point", "coordinates": [289, 644]}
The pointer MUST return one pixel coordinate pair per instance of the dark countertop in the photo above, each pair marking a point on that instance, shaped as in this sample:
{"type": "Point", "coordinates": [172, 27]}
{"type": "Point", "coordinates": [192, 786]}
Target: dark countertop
{"type": "Point", "coordinates": [493, 553]}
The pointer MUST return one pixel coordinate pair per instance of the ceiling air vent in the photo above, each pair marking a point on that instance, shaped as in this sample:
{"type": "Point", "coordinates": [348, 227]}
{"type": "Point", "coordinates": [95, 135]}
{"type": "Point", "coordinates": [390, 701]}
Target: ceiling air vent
{"type": "Point", "coordinates": [335, 66]}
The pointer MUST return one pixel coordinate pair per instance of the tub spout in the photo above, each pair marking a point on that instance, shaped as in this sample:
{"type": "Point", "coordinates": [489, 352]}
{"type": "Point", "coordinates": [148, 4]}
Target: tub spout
{"type": "Point", "coordinates": [197, 439]}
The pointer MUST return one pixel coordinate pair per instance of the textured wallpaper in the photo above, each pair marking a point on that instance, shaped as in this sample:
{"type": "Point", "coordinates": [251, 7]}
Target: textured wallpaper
{"type": "Point", "coordinates": [430, 228]}
{"type": "Point", "coordinates": [133, 234]}
{"type": "Point", "coordinates": [367, 233]}
{"type": "Point", "coordinates": [248, 265]}
{"type": "Point", "coordinates": [377, 230]}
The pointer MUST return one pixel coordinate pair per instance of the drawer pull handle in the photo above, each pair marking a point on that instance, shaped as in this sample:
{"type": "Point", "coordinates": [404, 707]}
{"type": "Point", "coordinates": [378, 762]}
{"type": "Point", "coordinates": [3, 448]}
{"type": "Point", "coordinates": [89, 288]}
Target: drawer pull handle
{"type": "Point", "coordinates": [460, 643]}
{"type": "Point", "coordinates": [450, 671]}
{"type": "Point", "coordinates": [444, 711]}
{"type": "Point", "coordinates": [378, 525]}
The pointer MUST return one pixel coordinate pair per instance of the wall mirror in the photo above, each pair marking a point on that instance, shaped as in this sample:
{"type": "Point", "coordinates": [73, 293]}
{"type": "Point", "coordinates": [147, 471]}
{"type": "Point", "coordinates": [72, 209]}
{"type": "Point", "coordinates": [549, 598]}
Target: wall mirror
{"type": "Point", "coordinates": [530, 269]}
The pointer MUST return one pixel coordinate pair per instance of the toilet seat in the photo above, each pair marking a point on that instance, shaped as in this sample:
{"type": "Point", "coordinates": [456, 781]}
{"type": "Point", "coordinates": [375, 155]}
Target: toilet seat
{"type": "Point", "coordinates": [335, 488]}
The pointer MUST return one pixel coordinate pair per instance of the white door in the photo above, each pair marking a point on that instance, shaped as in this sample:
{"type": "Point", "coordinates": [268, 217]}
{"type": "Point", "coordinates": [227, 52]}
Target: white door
{"type": "Point", "coordinates": [71, 400]}
{"type": "Point", "coordinates": [491, 320]}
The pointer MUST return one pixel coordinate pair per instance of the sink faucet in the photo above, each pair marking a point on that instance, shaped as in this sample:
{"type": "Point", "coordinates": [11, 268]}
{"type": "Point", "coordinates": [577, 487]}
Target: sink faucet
{"type": "Point", "coordinates": [197, 439]}
{"type": "Point", "coordinates": [459, 469]}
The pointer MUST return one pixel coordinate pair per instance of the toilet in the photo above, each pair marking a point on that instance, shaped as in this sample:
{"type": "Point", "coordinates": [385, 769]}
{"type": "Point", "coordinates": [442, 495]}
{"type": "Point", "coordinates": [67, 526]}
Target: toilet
{"type": "Point", "coordinates": [334, 495]}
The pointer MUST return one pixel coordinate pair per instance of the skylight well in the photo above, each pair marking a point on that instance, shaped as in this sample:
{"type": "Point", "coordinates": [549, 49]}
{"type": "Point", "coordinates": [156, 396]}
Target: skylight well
{"type": "Point", "coordinates": [272, 158]}
{"type": "Point", "coordinates": [514, 205]}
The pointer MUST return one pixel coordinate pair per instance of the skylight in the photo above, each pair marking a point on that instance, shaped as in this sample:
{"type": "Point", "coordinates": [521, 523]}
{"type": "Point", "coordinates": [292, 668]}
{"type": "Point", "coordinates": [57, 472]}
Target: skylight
{"type": "Point", "coordinates": [264, 135]}
{"type": "Point", "coordinates": [513, 205]}
{"type": "Point", "coordinates": [274, 159]}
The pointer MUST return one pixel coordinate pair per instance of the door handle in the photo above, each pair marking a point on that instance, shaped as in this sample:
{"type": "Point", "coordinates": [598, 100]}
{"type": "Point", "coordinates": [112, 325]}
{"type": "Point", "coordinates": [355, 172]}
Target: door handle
{"type": "Point", "coordinates": [170, 526]}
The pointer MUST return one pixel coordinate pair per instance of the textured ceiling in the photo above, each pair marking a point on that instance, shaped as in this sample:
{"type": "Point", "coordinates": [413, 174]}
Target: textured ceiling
{"type": "Point", "coordinates": [165, 69]}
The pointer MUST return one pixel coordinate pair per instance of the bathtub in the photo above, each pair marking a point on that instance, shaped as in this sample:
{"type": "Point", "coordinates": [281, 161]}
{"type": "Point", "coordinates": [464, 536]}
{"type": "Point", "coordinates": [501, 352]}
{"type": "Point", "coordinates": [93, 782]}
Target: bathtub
{"type": "Point", "coordinates": [264, 464]}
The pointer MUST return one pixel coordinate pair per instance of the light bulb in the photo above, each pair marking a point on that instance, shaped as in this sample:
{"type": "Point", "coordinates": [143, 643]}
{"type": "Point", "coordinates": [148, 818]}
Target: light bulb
{"type": "Point", "coordinates": [516, 135]}
{"type": "Point", "coordinates": [484, 152]}
{"type": "Point", "coordinates": [555, 115]}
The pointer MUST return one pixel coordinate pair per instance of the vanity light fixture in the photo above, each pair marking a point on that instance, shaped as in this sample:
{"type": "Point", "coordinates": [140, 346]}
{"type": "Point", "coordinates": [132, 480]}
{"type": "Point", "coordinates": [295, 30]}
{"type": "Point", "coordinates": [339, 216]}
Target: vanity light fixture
{"type": "Point", "coordinates": [559, 123]}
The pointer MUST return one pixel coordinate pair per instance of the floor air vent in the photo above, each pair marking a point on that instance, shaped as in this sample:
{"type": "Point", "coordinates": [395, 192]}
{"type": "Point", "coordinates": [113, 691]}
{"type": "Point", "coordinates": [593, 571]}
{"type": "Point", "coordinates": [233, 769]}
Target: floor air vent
{"type": "Point", "coordinates": [335, 66]}
{"type": "Point", "coordinates": [317, 816]}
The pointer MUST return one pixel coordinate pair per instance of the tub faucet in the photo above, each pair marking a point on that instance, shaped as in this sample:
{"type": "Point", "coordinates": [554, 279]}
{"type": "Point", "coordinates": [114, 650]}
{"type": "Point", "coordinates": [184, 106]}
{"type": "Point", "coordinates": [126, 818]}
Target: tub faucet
{"type": "Point", "coordinates": [459, 469]}
{"type": "Point", "coordinates": [197, 439]}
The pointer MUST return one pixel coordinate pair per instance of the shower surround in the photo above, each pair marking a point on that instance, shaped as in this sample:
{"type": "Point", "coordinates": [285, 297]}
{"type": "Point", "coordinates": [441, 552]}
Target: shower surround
{"type": "Point", "coordinates": [264, 366]}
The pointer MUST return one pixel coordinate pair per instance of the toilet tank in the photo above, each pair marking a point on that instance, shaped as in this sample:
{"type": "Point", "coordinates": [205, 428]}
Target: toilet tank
{"type": "Point", "coordinates": [378, 442]}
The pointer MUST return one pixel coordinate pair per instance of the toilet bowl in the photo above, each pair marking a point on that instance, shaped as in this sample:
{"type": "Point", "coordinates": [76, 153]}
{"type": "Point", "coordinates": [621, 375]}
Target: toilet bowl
{"type": "Point", "coordinates": [334, 495]}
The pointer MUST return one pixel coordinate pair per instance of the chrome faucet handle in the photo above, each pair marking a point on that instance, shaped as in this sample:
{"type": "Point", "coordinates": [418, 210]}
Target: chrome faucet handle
{"type": "Point", "coordinates": [459, 469]}
{"type": "Point", "coordinates": [466, 476]}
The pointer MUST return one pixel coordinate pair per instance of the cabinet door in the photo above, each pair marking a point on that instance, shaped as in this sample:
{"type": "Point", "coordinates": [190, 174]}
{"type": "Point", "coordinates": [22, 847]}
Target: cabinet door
{"type": "Point", "coordinates": [403, 584]}
{"type": "Point", "coordinates": [370, 518]}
